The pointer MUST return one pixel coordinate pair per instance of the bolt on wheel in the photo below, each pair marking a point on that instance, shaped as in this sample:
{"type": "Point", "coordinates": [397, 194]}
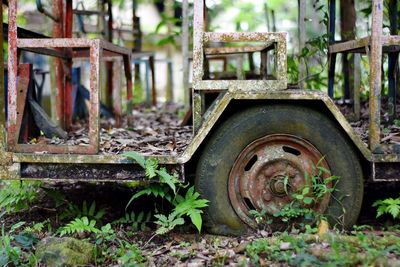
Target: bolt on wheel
{"type": "Point", "coordinates": [269, 171]}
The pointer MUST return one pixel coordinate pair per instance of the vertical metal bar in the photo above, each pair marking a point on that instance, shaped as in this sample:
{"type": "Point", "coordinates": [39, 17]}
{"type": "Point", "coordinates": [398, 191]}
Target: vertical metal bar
{"type": "Point", "coordinates": [264, 65]}
{"type": "Point", "coordinates": [198, 46]}
{"type": "Point", "coordinates": [185, 52]}
{"type": "Point", "coordinates": [357, 85]}
{"type": "Point", "coordinates": [198, 61]}
{"type": "Point", "coordinates": [2, 89]}
{"type": "Point", "coordinates": [346, 75]}
{"type": "Point", "coordinates": [68, 63]}
{"type": "Point", "coordinates": [109, 64]}
{"type": "Point", "coordinates": [239, 69]}
{"type": "Point", "coordinates": [393, 60]}
{"type": "Point", "coordinates": [375, 74]}
{"type": "Point", "coordinates": [58, 32]}
{"type": "Point", "coordinates": [169, 12]}
{"type": "Point", "coordinates": [147, 80]}
{"type": "Point", "coordinates": [332, 57]}
{"type": "Point", "coordinates": [153, 80]}
{"type": "Point", "coordinates": [128, 74]}
{"type": "Point", "coordinates": [94, 108]}
{"type": "Point", "coordinates": [302, 40]}
{"type": "Point", "coordinates": [116, 93]}
{"type": "Point", "coordinates": [12, 74]}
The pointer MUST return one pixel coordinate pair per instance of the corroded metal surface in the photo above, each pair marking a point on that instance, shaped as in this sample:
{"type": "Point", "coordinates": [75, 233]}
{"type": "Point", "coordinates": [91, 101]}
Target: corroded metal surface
{"type": "Point", "coordinates": [292, 95]}
{"type": "Point", "coordinates": [96, 48]}
{"type": "Point", "coordinates": [375, 74]}
{"type": "Point", "coordinates": [267, 173]}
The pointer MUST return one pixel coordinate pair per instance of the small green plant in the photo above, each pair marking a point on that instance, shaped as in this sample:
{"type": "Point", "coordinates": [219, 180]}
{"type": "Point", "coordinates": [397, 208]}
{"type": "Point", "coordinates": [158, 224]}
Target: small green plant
{"type": "Point", "coordinates": [11, 248]}
{"type": "Point", "coordinates": [317, 186]}
{"type": "Point", "coordinates": [16, 196]}
{"type": "Point", "coordinates": [79, 225]}
{"type": "Point", "coordinates": [74, 211]}
{"type": "Point", "coordinates": [138, 222]}
{"type": "Point", "coordinates": [166, 224]}
{"type": "Point", "coordinates": [388, 206]}
{"type": "Point", "coordinates": [190, 204]}
{"type": "Point", "coordinates": [131, 256]}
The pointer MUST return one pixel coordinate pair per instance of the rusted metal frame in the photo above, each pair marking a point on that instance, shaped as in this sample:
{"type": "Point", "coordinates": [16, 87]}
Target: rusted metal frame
{"type": "Point", "coordinates": [60, 75]}
{"type": "Point", "coordinates": [12, 75]}
{"type": "Point", "coordinates": [48, 52]}
{"type": "Point", "coordinates": [68, 112]}
{"type": "Point", "coordinates": [2, 91]}
{"type": "Point", "coordinates": [357, 85]}
{"type": "Point", "coordinates": [198, 62]}
{"type": "Point", "coordinates": [278, 38]}
{"type": "Point", "coordinates": [24, 76]}
{"type": "Point", "coordinates": [128, 74]}
{"type": "Point", "coordinates": [116, 94]}
{"type": "Point", "coordinates": [349, 45]}
{"type": "Point", "coordinates": [186, 54]}
{"type": "Point", "coordinates": [302, 39]}
{"type": "Point", "coordinates": [264, 65]}
{"type": "Point", "coordinates": [80, 12]}
{"type": "Point", "coordinates": [375, 75]}
{"type": "Point", "coordinates": [236, 49]}
{"type": "Point", "coordinates": [95, 55]}
{"type": "Point", "coordinates": [293, 95]}
{"type": "Point", "coordinates": [83, 159]}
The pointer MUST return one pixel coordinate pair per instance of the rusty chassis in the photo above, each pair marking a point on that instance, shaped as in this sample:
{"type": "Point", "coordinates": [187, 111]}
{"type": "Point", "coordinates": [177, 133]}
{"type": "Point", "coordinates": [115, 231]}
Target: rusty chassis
{"type": "Point", "coordinates": [61, 164]}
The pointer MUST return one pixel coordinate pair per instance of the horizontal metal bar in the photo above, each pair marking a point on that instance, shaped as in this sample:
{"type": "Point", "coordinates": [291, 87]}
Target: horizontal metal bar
{"type": "Point", "coordinates": [23, 33]}
{"type": "Point", "coordinates": [245, 37]}
{"type": "Point", "coordinates": [349, 45]}
{"type": "Point", "coordinates": [389, 44]}
{"type": "Point", "coordinates": [48, 52]}
{"type": "Point", "coordinates": [240, 85]}
{"type": "Point", "coordinates": [56, 43]}
{"type": "Point", "coordinates": [58, 149]}
{"type": "Point", "coordinates": [84, 159]}
{"type": "Point", "coordinates": [89, 12]}
{"type": "Point", "coordinates": [236, 50]}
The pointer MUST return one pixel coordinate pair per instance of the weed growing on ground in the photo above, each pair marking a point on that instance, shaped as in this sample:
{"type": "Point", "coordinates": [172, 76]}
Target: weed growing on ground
{"type": "Point", "coordinates": [189, 205]}
{"type": "Point", "coordinates": [16, 196]}
{"type": "Point", "coordinates": [388, 206]}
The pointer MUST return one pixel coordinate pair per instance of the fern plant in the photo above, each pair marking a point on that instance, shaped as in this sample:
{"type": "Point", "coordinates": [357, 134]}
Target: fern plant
{"type": "Point", "coordinates": [190, 204]}
{"type": "Point", "coordinates": [138, 222]}
{"type": "Point", "coordinates": [388, 206]}
{"type": "Point", "coordinates": [79, 225]}
{"type": "Point", "coordinates": [166, 224]}
{"type": "Point", "coordinates": [74, 211]}
{"type": "Point", "coordinates": [16, 195]}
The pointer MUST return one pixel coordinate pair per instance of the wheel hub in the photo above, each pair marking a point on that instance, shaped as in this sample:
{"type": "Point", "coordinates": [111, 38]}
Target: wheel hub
{"type": "Point", "coordinates": [278, 186]}
{"type": "Point", "coordinates": [268, 172]}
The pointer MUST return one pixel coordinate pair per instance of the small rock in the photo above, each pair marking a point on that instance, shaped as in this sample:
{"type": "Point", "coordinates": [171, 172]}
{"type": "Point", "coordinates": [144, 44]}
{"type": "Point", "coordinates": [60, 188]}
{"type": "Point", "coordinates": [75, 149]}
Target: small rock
{"type": "Point", "coordinates": [67, 251]}
{"type": "Point", "coordinates": [284, 246]}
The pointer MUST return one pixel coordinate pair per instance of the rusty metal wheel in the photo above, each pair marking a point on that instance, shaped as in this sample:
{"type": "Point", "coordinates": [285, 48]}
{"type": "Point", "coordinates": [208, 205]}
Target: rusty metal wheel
{"type": "Point", "coordinates": [258, 157]}
{"type": "Point", "coordinates": [267, 173]}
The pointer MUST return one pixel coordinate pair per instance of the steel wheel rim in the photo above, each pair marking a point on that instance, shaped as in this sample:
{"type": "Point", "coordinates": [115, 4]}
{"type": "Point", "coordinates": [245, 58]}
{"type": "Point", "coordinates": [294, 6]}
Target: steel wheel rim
{"type": "Point", "coordinates": [257, 178]}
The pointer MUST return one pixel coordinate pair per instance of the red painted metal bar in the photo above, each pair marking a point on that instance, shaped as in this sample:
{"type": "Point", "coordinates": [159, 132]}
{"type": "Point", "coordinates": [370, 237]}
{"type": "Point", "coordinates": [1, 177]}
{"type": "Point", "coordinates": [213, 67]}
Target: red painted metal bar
{"type": "Point", "coordinates": [58, 32]}
{"type": "Point", "coordinates": [12, 75]}
{"type": "Point", "coordinates": [68, 66]}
